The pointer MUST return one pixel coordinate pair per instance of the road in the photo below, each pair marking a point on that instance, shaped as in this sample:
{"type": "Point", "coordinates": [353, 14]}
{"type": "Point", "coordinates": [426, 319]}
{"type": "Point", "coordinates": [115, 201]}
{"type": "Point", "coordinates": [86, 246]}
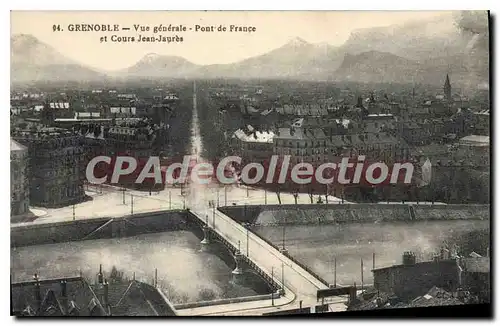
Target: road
{"type": "Point", "coordinates": [295, 279]}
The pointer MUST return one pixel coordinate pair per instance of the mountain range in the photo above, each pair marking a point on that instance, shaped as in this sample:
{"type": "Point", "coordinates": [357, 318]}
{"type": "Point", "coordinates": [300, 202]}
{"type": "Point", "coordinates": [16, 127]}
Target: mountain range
{"type": "Point", "coordinates": [422, 52]}
{"type": "Point", "coordinates": [35, 61]}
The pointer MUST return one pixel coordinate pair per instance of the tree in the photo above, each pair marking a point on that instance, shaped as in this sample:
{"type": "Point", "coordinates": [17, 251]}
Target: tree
{"type": "Point", "coordinates": [278, 193]}
{"type": "Point", "coordinates": [310, 191]}
{"type": "Point", "coordinates": [207, 295]}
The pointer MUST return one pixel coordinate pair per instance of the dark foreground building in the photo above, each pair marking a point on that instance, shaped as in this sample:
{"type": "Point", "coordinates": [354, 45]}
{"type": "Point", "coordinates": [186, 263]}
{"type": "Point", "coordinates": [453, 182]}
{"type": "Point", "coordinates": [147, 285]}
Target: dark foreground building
{"type": "Point", "coordinates": [56, 170]}
{"type": "Point", "coordinates": [75, 296]}
{"type": "Point", "coordinates": [443, 281]}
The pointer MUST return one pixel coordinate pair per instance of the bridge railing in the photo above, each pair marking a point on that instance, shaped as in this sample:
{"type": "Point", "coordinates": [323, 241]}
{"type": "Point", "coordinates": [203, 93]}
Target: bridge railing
{"type": "Point", "coordinates": [287, 255]}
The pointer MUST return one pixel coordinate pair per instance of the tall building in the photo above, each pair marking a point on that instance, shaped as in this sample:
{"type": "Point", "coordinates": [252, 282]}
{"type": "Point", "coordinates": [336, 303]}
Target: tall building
{"type": "Point", "coordinates": [56, 169]}
{"type": "Point", "coordinates": [132, 137]}
{"type": "Point", "coordinates": [19, 182]}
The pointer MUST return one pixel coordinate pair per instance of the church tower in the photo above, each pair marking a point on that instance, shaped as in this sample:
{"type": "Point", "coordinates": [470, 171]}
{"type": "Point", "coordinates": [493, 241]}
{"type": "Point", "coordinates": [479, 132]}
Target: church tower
{"type": "Point", "coordinates": [447, 89]}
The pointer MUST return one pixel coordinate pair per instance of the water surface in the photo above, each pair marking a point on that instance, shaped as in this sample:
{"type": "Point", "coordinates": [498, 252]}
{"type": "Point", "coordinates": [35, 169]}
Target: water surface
{"type": "Point", "coordinates": [184, 273]}
{"type": "Point", "coordinates": [319, 246]}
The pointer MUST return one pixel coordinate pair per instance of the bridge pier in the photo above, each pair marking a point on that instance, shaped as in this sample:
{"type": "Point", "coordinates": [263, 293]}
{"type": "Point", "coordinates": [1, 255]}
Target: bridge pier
{"type": "Point", "coordinates": [238, 271]}
{"type": "Point", "coordinates": [118, 227]}
{"type": "Point", "coordinates": [205, 243]}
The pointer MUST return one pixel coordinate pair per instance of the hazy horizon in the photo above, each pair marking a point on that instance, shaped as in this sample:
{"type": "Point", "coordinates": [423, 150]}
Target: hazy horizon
{"type": "Point", "coordinates": [202, 48]}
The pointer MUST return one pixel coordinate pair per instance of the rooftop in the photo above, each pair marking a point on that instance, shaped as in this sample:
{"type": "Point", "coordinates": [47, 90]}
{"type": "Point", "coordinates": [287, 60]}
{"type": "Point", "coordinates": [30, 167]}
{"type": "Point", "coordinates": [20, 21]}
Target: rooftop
{"type": "Point", "coordinates": [80, 300]}
{"type": "Point", "coordinates": [477, 264]}
{"type": "Point", "coordinates": [380, 116]}
{"type": "Point", "coordinates": [417, 264]}
{"type": "Point", "coordinates": [483, 112]}
{"type": "Point", "coordinates": [303, 109]}
{"type": "Point", "coordinates": [374, 299]}
{"type": "Point", "coordinates": [75, 296]}
{"type": "Point", "coordinates": [15, 146]}
{"type": "Point", "coordinates": [254, 137]}
{"type": "Point", "coordinates": [59, 105]}
{"type": "Point", "coordinates": [475, 140]}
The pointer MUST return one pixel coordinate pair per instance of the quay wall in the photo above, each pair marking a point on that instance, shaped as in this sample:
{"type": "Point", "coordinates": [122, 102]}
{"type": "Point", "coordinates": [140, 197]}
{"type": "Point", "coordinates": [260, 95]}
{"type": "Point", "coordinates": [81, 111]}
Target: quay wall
{"type": "Point", "coordinates": [226, 301]}
{"type": "Point", "coordinates": [352, 213]}
{"type": "Point", "coordinates": [169, 220]}
{"type": "Point", "coordinates": [452, 212]}
{"type": "Point", "coordinates": [98, 228]}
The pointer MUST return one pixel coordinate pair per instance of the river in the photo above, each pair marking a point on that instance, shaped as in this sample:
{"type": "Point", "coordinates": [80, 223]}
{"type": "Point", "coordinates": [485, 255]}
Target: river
{"type": "Point", "coordinates": [319, 246]}
{"type": "Point", "coordinates": [184, 273]}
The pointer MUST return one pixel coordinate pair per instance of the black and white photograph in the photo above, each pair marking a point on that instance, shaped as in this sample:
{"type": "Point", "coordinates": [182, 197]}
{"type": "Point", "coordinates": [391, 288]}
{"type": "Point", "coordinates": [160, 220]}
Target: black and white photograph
{"type": "Point", "coordinates": [250, 163]}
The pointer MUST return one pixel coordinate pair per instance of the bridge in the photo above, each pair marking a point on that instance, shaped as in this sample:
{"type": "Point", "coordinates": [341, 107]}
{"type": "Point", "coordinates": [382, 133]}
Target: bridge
{"type": "Point", "coordinates": [299, 287]}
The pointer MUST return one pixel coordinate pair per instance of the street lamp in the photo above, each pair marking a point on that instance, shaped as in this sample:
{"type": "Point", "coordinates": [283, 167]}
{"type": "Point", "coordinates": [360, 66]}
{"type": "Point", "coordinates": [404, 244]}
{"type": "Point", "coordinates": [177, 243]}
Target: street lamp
{"type": "Point", "coordinates": [272, 284]}
{"type": "Point", "coordinates": [131, 204]}
{"type": "Point", "coordinates": [217, 196]}
{"type": "Point", "coordinates": [335, 272]}
{"type": "Point", "coordinates": [248, 238]}
{"type": "Point", "coordinates": [284, 233]}
{"type": "Point", "coordinates": [283, 277]}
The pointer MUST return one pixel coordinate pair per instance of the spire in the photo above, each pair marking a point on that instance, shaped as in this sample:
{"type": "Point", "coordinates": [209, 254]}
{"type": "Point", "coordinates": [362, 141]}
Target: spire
{"type": "Point", "coordinates": [447, 88]}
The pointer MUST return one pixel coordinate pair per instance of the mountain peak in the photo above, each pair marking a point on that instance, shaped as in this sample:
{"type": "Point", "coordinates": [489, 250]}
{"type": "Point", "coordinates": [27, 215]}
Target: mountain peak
{"type": "Point", "coordinates": [297, 41]}
{"type": "Point", "coordinates": [24, 39]}
{"type": "Point", "coordinates": [152, 55]}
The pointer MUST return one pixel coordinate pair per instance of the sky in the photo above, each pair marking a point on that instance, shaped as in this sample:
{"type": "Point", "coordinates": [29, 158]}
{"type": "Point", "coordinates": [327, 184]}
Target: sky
{"type": "Point", "coordinates": [273, 29]}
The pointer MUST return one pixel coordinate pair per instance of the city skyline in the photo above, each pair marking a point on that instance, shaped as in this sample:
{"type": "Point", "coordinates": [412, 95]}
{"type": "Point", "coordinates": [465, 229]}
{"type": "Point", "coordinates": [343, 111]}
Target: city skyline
{"type": "Point", "coordinates": [85, 47]}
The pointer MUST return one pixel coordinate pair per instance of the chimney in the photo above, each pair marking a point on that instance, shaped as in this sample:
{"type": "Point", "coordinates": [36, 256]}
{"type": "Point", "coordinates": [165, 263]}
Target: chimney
{"type": "Point", "coordinates": [444, 254]}
{"type": "Point", "coordinates": [359, 104]}
{"type": "Point", "coordinates": [38, 294]}
{"type": "Point", "coordinates": [105, 294]}
{"type": "Point", "coordinates": [409, 258]}
{"type": "Point", "coordinates": [99, 275]}
{"type": "Point", "coordinates": [64, 295]}
{"type": "Point", "coordinates": [352, 294]}
{"type": "Point", "coordinates": [458, 261]}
